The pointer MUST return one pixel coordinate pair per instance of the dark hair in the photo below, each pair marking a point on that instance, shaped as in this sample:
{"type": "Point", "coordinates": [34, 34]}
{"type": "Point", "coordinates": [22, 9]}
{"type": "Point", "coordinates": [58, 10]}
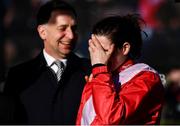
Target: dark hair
{"type": "Point", "coordinates": [45, 10]}
{"type": "Point", "coordinates": [120, 29]}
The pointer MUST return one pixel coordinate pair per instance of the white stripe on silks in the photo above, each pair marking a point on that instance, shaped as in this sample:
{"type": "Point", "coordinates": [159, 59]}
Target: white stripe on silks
{"type": "Point", "coordinates": [88, 113]}
{"type": "Point", "coordinates": [129, 73]}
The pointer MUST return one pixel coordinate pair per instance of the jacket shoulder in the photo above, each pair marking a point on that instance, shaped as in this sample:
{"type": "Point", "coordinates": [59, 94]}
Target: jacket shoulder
{"type": "Point", "coordinates": [22, 66]}
{"type": "Point", "coordinates": [85, 62]}
{"type": "Point", "coordinates": [79, 62]}
{"type": "Point", "coordinates": [21, 74]}
{"type": "Point", "coordinates": [29, 65]}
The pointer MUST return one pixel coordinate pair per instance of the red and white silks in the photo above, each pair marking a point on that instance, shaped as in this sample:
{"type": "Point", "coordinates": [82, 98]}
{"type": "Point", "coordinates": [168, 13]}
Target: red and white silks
{"type": "Point", "coordinates": [139, 100]}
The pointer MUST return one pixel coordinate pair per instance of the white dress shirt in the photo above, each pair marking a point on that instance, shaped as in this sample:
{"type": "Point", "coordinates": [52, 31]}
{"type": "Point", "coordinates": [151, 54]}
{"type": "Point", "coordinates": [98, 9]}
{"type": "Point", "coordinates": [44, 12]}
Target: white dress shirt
{"type": "Point", "coordinates": [50, 61]}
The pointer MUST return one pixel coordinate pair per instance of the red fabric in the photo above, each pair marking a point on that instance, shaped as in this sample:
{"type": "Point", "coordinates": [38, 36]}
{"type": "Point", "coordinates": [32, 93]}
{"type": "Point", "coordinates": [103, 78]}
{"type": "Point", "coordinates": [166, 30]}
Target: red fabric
{"type": "Point", "coordinates": [139, 100]}
{"type": "Point", "coordinates": [149, 9]}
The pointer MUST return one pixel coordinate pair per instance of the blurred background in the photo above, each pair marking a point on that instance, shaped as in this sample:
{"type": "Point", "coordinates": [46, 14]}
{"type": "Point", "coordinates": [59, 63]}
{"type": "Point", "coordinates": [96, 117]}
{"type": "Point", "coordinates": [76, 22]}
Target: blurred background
{"type": "Point", "coordinates": [20, 42]}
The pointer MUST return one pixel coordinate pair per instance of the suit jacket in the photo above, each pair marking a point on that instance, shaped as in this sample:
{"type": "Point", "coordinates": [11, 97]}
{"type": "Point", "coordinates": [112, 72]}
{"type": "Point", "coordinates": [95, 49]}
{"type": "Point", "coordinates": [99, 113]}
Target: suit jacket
{"type": "Point", "coordinates": [41, 98]}
{"type": "Point", "coordinates": [7, 110]}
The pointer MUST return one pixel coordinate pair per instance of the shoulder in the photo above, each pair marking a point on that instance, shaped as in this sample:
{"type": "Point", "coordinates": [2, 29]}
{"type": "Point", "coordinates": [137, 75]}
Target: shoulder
{"type": "Point", "coordinates": [140, 73]}
{"type": "Point", "coordinates": [147, 72]}
{"type": "Point", "coordinates": [77, 61]}
{"type": "Point", "coordinates": [21, 75]}
{"type": "Point", "coordinates": [85, 62]}
{"type": "Point", "coordinates": [150, 81]}
{"type": "Point", "coordinates": [35, 62]}
{"type": "Point", "coordinates": [149, 78]}
{"type": "Point", "coordinates": [29, 65]}
{"type": "Point", "coordinates": [22, 65]}
{"type": "Point", "coordinates": [20, 68]}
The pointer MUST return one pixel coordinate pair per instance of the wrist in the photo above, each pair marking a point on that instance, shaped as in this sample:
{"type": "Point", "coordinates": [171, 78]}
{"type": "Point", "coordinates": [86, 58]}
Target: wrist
{"type": "Point", "coordinates": [97, 65]}
{"type": "Point", "coordinates": [98, 69]}
{"type": "Point", "coordinates": [101, 72]}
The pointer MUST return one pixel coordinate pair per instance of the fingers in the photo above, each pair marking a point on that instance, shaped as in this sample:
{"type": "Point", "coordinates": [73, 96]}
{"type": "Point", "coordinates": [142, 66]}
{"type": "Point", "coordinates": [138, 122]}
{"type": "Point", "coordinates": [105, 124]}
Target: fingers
{"type": "Point", "coordinates": [91, 44]}
{"type": "Point", "coordinates": [110, 50]}
{"type": "Point", "coordinates": [90, 49]}
{"type": "Point", "coordinates": [97, 53]}
{"type": "Point", "coordinates": [88, 78]}
{"type": "Point", "coordinates": [96, 42]}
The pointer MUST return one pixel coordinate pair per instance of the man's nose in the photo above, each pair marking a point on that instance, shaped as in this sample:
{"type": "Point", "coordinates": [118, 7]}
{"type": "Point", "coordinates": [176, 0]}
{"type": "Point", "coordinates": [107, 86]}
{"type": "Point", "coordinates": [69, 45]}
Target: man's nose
{"type": "Point", "coordinates": [70, 33]}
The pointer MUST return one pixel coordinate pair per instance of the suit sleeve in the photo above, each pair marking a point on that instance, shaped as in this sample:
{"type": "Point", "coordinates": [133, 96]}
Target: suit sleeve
{"type": "Point", "coordinates": [115, 108]}
{"type": "Point", "coordinates": [10, 82]}
{"type": "Point", "coordinates": [11, 88]}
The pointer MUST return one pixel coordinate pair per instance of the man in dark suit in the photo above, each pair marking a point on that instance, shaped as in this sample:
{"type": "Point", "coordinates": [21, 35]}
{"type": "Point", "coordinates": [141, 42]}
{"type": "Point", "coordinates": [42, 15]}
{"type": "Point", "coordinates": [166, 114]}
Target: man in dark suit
{"type": "Point", "coordinates": [7, 110]}
{"type": "Point", "coordinates": [47, 94]}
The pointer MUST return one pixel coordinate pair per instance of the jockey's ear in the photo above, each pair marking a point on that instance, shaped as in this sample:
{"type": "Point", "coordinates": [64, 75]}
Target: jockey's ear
{"type": "Point", "coordinates": [126, 48]}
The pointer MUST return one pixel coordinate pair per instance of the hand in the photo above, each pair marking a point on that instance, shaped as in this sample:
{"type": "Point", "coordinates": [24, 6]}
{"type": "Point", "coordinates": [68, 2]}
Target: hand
{"type": "Point", "coordinates": [97, 53]}
{"type": "Point", "coordinates": [88, 78]}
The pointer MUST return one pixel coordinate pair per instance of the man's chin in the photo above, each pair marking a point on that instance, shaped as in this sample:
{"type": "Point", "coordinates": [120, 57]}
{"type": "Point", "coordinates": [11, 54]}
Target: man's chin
{"type": "Point", "coordinates": [67, 52]}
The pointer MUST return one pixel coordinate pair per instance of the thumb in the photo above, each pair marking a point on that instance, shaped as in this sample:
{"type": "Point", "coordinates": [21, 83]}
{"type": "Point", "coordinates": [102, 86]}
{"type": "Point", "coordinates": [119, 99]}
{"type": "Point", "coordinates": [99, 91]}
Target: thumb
{"type": "Point", "coordinates": [86, 78]}
{"type": "Point", "coordinates": [90, 77]}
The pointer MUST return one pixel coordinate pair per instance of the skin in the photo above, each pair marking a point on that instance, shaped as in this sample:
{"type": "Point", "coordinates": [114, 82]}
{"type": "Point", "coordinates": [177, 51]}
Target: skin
{"type": "Point", "coordinates": [59, 34]}
{"type": "Point", "coordinates": [102, 50]}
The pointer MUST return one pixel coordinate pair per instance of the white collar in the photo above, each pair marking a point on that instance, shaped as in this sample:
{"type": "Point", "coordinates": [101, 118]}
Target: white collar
{"type": "Point", "coordinates": [49, 59]}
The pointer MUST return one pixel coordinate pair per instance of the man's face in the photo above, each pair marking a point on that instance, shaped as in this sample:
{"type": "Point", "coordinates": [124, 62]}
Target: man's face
{"type": "Point", "coordinates": [59, 34]}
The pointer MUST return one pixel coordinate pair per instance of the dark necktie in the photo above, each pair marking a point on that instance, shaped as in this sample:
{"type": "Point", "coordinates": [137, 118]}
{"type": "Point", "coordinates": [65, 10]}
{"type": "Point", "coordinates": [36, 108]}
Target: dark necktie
{"type": "Point", "coordinates": [60, 71]}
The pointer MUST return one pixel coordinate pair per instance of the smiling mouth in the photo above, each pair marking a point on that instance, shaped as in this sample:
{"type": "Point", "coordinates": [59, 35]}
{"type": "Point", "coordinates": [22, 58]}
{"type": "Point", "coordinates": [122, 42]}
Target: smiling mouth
{"type": "Point", "coordinates": [65, 43]}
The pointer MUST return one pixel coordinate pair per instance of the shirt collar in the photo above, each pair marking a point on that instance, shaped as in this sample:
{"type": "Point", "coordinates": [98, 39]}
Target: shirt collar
{"type": "Point", "coordinates": [49, 59]}
{"type": "Point", "coordinates": [127, 63]}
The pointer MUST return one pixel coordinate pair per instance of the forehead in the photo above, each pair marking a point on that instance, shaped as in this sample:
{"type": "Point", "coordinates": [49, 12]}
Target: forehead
{"type": "Point", "coordinates": [62, 16]}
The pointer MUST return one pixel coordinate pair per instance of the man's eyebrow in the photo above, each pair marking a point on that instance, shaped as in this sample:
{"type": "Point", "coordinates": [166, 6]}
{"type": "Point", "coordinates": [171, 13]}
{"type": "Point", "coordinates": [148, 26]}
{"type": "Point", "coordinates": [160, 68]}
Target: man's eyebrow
{"type": "Point", "coordinates": [63, 25]}
{"type": "Point", "coordinates": [66, 25]}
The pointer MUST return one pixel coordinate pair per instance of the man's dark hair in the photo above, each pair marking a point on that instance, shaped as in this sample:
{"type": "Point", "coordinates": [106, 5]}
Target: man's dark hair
{"type": "Point", "coordinates": [120, 29]}
{"type": "Point", "coordinates": [45, 10]}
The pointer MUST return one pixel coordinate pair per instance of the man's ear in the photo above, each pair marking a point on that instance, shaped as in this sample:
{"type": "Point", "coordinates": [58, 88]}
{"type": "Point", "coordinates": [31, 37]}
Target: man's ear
{"type": "Point", "coordinates": [42, 31]}
{"type": "Point", "coordinates": [126, 48]}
